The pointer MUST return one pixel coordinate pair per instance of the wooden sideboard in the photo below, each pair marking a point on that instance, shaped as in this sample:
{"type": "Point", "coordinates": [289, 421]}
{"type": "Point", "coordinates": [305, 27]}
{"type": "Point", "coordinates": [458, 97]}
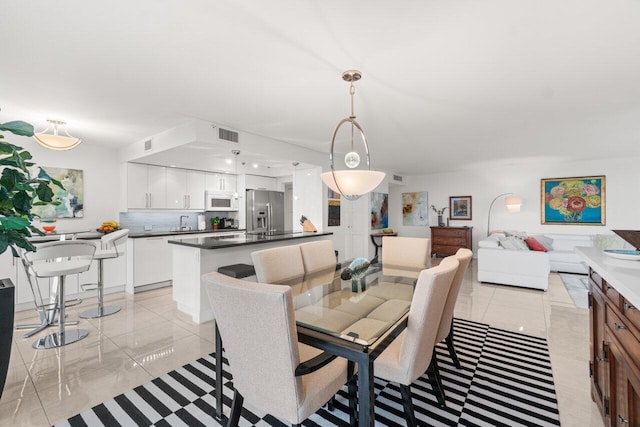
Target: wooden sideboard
{"type": "Point", "coordinates": [446, 241]}
{"type": "Point", "coordinates": [614, 364]}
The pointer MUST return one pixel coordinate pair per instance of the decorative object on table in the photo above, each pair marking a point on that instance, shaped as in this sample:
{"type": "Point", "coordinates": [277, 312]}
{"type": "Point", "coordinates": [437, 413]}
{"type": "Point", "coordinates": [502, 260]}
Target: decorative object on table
{"type": "Point", "coordinates": [351, 182]}
{"type": "Point", "coordinates": [358, 267]}
{"type": "Point", "coordinates": [22, 187]}
{"type": "Point", "coordinates": [387, 231]}
{"type": "Point", "coordinates": [215, 222]}
{"type": "Point", "coordinates": [579, 200]}
{"type": "Point", "coordinates": [440, 212]}
{"type": "Point", "coordinates": [511, 203]}
{"type": "Point", "coordinates": [460, 207]}
{"type": "Point", "coordinates": [108, 227]}
{"type": "Point", "coordinates": [55, 141]}
{"type": "Point", "coordinates": [48, 228]}
{"type": "Point", "coordinates": [71, 195]}
{"type": "Point", "coordinates": [307, 225]}
{"type": "Point", "coordinates": [379, 210]}
{"type": "Point", "coordinates": [415, 208]}
{"type": "Point", "coordinates": [626, 254]}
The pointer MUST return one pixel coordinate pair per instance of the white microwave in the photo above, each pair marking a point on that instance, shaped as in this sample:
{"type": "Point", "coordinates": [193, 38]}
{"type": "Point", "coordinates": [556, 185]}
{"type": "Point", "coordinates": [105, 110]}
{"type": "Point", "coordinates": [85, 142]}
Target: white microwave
{"type": "Point", "coordinates": [220, 202]}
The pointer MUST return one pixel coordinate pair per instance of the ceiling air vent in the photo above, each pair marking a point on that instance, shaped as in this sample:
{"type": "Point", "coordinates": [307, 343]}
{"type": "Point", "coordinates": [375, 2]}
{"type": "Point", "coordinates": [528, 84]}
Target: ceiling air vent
{"type": "Point", "coordinates": [147, 144]}
{"type": "Point", "coordinates": [227, 135]}
{"type": "Point", "coordinates": [397, 178]}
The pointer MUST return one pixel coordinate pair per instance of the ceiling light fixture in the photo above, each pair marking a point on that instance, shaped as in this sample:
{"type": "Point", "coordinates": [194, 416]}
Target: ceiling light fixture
{"type": "Point", "coordinates": [236, 153]}
{"type": "Point", "coordinates": [54, 141]}
{"type": "Point", "coordinates": [351, 183]}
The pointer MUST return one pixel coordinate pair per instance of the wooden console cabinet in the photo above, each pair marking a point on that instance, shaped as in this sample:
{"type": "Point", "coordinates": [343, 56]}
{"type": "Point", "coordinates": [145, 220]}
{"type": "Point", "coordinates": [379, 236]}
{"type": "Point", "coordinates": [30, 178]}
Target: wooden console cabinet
{"type": "Point", "coordinates": [614, 364]}
{"type": "Point", "coordinates": [446, 241]}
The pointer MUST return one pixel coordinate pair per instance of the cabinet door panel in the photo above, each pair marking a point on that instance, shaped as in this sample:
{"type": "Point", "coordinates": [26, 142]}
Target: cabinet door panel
{"type": "Point", "coordinates": [137, 181]}
{"type": "Point", "coordinates": [596, 326]}
{"type": "Point", "coordinates": [153, 260]}
{"type": "Point", "coordinates": [157, 187]}
{"type": "Point", "coordinates": [195, 189]}
{"type": "Point", "coordinates": [176, 188]}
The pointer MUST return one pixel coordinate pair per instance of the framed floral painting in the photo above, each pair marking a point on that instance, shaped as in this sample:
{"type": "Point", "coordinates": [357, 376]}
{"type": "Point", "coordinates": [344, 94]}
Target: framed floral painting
{"type": "Point", "coordinates": [578, 200]}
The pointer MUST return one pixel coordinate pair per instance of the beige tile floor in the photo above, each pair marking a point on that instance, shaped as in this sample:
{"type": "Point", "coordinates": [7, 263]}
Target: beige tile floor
{"type": "Point", "coordinates": [150, 337]}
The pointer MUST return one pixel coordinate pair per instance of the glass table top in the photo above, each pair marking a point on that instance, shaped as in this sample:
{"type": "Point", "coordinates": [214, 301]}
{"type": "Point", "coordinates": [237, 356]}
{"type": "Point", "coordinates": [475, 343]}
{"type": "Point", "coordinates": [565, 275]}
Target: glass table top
{"type": "Point", "coordinates": [356, 310]}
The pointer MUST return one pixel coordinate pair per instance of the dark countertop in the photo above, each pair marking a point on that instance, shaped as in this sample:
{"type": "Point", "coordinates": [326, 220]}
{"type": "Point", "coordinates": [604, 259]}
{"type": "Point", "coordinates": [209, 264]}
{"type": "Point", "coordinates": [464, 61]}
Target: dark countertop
{"type": "Point", "coordinates": [218, 242]}
{"type": "Point", "coordinates": [178, 233]}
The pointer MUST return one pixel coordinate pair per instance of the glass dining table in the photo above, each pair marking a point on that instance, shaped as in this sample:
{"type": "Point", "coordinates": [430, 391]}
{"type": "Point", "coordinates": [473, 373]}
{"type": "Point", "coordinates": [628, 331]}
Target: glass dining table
{"type": "Point", "coordinates": [354, 318]}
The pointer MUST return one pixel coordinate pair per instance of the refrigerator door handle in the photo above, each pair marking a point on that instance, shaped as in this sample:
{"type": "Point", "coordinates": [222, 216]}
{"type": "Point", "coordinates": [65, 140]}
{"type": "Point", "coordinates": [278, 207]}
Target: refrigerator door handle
{"type": "Point", "coordinates": [268, 217]}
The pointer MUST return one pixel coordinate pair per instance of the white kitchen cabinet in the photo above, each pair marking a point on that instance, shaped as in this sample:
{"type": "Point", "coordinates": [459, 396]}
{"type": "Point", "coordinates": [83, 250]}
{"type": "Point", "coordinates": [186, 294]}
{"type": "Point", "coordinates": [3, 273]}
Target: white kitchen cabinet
{"type": "Point", "coordinates": [221, 182]}
{"type": "Point", "coordinates": [148, 261]}
{"type": "Point", "coordinates": [185, 189]}
{"type": "Point", "coordinates": [257, 182]}
{"type": "Point", "coordinates": [146, 186]}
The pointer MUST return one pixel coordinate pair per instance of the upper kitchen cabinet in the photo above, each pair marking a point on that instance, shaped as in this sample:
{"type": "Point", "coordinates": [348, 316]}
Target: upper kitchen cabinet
{"type": "Point", "coordinates": [257, 182]}
{"type": "Point", "coordinates": [146, 186]}
{"type": "Point", "coordinates": [221, 182]}
{"type": "Point", "coordinates": [185, 189]}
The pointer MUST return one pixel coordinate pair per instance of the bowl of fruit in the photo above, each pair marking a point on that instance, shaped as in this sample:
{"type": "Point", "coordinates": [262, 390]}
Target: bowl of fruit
{"type": "Point", "coordinates": [48, 228]}
{"type": "Point", "coordinates": [108, 227]}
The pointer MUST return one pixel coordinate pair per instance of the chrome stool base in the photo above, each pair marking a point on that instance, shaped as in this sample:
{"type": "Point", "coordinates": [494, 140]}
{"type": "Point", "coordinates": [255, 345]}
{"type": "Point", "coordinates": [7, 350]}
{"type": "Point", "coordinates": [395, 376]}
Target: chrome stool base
{"type": "Point", "coordinates": [99, 312]}
{"type": "Point", "coordinates": [59, 339]}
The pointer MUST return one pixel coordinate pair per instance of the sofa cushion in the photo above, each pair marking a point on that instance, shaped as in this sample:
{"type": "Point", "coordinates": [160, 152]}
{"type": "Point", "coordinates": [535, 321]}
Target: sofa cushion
{"type": "Point", "coordinates": [567, 242]}
{"type": "Point", "coordinates": [564, 256]}
{"type": "Point", "coordinates": [489, 243]}
{"type": "Point", "coordinates": [514, 244]}
{"type": "Point", "coordinates": [545, 241]}
{"type": "Point", "coordinates": [534, 245]}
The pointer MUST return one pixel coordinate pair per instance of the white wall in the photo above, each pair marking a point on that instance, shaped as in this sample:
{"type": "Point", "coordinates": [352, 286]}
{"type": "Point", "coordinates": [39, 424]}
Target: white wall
{"type": "Point", "coordinates": [622, 203]}
{"type": "Point", "coordinates": [101, 180]}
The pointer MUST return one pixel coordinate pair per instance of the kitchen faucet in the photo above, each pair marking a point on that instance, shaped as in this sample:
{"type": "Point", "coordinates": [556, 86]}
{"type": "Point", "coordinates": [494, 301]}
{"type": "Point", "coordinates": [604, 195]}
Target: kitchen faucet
{"type": "Point", "coordinates": [183, 226]}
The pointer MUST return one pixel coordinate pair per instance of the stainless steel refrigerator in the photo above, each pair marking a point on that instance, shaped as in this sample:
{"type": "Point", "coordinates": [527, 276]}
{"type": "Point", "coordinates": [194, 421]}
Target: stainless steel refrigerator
{"type": "Point", "coordinates": [265, 211]}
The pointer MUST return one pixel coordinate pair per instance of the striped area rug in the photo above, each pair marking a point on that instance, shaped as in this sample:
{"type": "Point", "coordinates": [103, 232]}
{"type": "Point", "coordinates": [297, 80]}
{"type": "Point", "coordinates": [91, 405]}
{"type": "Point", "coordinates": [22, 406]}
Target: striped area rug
{"type": "Point", "coordinates": [505, 380]}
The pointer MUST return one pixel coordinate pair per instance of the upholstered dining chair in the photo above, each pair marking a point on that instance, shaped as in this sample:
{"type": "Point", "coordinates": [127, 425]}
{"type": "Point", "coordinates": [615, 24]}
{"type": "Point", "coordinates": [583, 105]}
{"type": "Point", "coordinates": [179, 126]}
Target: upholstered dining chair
{"type": "Point", "coordinates": [318, 255]}
{"type": "Point", "coordinates": [412, 352]}
{"type": "Point", "coordinates": [445, 331]}
{"type": "Point", "coordinates": [398, 253]}
{"type": "Point", "coordinates": [264, 354]}
{"type": "Point", "coordinates": [276, 265]}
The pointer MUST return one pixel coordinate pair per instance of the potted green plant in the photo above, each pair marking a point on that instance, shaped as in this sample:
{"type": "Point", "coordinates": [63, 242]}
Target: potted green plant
{"type": "Point", "coordinates": [215, 222]}
{"type": "Point", "coordinates": [19, 191]}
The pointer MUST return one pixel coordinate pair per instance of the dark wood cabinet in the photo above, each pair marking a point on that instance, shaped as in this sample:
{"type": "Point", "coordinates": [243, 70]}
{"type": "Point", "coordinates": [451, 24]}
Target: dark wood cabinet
{"type": "Point", "coordinates": [614, 353]}
{"type": "Point", "coordinates": [446, 241]}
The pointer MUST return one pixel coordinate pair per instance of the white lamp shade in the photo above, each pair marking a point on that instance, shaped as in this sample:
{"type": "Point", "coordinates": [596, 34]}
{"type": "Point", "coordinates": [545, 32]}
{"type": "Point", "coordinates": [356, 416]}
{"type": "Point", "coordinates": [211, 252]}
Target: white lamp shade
{"type": "Point", "coordinates": [513, 204]}
{"type": "Point", "coordinates": [56, 142]}
{"type": "Point", "coordinates": [353, 183]}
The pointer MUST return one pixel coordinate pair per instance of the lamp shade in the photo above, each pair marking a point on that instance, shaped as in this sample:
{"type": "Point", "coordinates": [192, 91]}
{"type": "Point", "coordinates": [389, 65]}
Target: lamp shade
{"type": "Point", "coordinates": [55, 141]}
{"type": "Point", "coordinates": [352, 183]}
{"type": "Point", "coordinates": [513, 204]}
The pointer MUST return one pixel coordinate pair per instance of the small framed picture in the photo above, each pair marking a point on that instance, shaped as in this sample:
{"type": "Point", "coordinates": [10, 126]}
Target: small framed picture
{"type": "Point", "coordinates": [460, 207]}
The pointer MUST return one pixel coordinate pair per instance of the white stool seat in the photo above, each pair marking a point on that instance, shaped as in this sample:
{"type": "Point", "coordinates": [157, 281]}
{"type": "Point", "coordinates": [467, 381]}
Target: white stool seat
{"type": "Point", "coordinates": [60, 268]}
{"type": "Point", "coordinates": [105, 254]}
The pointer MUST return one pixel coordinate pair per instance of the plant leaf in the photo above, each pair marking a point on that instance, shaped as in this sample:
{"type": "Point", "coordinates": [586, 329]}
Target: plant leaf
{"type": "Point", "coordinates": [18, 128]}
{"type": "Point", "coordinates": [14, 223]}
{"type": "Point", "coordinates": [44, 175]}
{"type": "Point", "coordinates": [22, 202]}
{"type": "Point", "coordinates": [44, 192]}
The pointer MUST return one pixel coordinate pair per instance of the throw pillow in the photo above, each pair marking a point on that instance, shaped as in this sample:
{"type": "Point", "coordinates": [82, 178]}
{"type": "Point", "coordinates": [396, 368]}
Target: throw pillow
{"type": "Point", "coordinates": [534, 245]}
{"type": "Point", "coordinates": [545, 241]}
{"type": "Point", "coordinates": [514, 244]}
{"type": "Point", "coordinates": [489, 243]}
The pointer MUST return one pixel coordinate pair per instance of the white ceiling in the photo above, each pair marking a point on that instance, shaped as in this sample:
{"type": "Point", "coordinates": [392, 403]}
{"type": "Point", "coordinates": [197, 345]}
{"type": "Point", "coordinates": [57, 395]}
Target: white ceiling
{"type": "Point", "coordinates": [446, 84]}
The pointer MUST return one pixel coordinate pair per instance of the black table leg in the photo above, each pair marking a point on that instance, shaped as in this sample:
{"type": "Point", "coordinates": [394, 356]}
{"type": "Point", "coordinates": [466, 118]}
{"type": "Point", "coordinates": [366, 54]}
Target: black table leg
{"type": "Point", "coordinates": [366, 395]}
{"type": "Point", "coordinates": [219, 379]}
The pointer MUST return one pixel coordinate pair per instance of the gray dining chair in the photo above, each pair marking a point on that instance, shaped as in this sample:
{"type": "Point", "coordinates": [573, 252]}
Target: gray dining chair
{"type": "Point", "coordinates": [412, 352]}
{"type": "Point", "coordinates": [270, 368]}
{"type": "Point", "coordinates": [276, 265]}
{"type": "Point", "coordinates": [445, 331]}
{"type": "Point", "coordinates": [318, 255]}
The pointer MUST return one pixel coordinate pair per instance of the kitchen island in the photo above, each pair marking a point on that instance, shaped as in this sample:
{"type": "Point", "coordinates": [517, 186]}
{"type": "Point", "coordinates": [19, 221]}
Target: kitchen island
{"type": "Point", "coordinates": [194, 257]}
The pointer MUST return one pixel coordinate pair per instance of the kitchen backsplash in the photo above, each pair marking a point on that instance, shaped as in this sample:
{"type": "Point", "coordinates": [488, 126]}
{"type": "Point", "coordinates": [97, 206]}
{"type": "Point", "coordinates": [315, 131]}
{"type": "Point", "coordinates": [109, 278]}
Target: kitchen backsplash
{"type": "Point", "coordinates": [167, 221]}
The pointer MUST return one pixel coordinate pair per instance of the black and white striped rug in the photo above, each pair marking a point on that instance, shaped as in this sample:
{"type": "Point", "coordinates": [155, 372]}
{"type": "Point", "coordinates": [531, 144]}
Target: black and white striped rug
{"type": "Point", "coordinates": [505, 380]}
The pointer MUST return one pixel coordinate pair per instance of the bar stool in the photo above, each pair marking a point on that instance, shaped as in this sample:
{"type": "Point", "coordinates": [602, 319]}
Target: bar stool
{"type": "Point", "coordinates": [66, 257]}
{"type": "Point", "coordinates": [109, 250]}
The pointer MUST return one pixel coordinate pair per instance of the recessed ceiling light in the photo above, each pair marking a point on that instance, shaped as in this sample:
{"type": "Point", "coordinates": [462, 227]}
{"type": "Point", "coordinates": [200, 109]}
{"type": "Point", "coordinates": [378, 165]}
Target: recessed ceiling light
{"type": "Point", "coordinates": [172, 166]}
{"type": "Point", "coordinates": [255, 166]}
{"type": "Point", "coordinates": [228, 161]}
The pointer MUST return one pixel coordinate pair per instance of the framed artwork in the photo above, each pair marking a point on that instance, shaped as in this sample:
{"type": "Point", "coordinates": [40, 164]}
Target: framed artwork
{"type": "Point", "coordinates": [71, 197]}
{"type": "Point", "coordinates": [579, 200]}
{"type": "Point", "coordinates": [460, 207]}
{"type": "Point", "coordinates": [415, 208]}
{"type": "Point", "coordinates": [379, 211]}
{"type": "Point", "coordinates": [333, 219]}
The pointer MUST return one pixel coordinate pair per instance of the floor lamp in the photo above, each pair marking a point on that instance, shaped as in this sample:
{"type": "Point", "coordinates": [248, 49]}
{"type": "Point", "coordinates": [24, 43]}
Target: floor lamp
{"type": "Point", "coordinates": [512, 204]}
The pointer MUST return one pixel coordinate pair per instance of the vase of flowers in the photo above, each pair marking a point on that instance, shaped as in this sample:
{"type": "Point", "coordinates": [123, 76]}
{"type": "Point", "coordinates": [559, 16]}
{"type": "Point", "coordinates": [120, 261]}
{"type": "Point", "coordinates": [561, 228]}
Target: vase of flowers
{"type": "Point", "coordinates": [439, 212]}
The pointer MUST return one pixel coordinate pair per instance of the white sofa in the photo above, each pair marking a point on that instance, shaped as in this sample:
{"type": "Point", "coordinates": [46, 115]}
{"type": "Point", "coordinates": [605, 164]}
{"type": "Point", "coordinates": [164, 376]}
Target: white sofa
{"type": "Point", "coordinates": [528, 268]}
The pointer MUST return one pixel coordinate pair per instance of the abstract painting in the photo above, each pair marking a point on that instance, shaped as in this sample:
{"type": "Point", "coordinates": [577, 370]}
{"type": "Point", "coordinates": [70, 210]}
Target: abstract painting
{"type": "Point", "coordinates": [379, 211]}
{"type": "Point", "coordinates": [415, 208]}
{"type": "Point", "coordinates": [71, 198]}
{"type": "Point", "coordinates": [460, 207]}
{"type": "Point", "coordinates": [579, 200]}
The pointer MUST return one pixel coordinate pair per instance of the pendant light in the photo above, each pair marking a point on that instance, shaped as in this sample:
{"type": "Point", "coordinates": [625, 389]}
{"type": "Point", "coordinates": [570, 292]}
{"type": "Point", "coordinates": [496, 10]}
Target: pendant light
{"type": "Point", "coordinates": [236, 153]}
{"type": "Point", "coordinates": [351, 183]}
{"type": "Point", "coordinates": [55, 141]}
